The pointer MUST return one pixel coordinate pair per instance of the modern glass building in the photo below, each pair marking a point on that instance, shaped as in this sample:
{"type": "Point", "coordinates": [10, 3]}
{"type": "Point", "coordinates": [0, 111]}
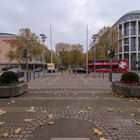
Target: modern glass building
{"type": "Point", "coordinates": [129, 38]}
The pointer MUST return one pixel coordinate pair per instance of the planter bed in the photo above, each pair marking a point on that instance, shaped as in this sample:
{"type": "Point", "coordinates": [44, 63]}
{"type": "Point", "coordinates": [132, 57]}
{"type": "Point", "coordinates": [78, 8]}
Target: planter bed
{"type": "Point", "coordinates": [14, 90]}
{"type": "Point", "coordinates": [128, 90]}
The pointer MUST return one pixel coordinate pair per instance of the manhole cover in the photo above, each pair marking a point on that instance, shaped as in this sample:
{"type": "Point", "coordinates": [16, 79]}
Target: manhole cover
{"type": "Point", "coordinates": [70, 139]}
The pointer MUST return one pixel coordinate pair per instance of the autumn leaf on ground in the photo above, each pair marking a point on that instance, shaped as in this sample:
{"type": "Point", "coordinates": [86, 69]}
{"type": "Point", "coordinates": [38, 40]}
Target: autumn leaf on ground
{"type": "Point", "coordinates": [110, 110]}
{"type": "Point", "coordinates": [31, 109]}
{"type": "Point", "coordinates": [114, 128]}
{"type": "Point", "coordinates": [4, 135]}
{"type": "Point", "coordinates": [81, 112]}
{"type": "Point", "coordinates": [50, 122]}
{"type": "Point", "coordinates": [17, 130]}
{"type": "Point", "coordinates": [131, 100]}
{"type": "Point", "coordinates": [96, 131]}
{"type": "Point", "coordinates": [68, 107]}
{"type": "Point", "coordinates": [134, 115]}
{"type": "Point", "coordinates": [137, 123]}
{"type": "Point", "coordinates": [2, 123]}
{"type": "Point", "coordinates": [88, 108]}
{"type": "Point", "coordinates": [138, 110]}
{"type": "Point", "coordinates": [50, 116]}
{"type": "Point", "coordinates": [102, 138]}
{"type": "Point", "coordinates": [2, 112]}
{"type": "Point", "coordinates": [13, 101]}
{"type": "Point", "coordinates": [27, 120]}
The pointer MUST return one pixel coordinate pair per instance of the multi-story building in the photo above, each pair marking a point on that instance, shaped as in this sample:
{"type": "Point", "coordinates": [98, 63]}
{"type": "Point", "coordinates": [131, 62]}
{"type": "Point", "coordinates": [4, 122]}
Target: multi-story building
{"type": "Point", "coordinates": [129, 38]}
{"type": "Point", "coordinates": [5, 47]}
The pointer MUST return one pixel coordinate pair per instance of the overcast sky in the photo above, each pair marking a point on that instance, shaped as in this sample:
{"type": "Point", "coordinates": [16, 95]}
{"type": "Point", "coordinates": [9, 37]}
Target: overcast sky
{"type": "Point", "coordinates": [68, 18]}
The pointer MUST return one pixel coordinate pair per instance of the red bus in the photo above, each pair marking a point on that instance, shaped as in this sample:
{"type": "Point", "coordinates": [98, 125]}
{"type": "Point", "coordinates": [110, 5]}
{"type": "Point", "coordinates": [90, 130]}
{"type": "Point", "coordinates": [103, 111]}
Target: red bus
{"type": "Point", "coordinates": [104, 66]}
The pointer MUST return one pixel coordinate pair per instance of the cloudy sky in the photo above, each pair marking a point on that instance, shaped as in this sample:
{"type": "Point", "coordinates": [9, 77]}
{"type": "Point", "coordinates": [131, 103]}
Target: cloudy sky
{"type": "Point", "coordinates": [68, 18]}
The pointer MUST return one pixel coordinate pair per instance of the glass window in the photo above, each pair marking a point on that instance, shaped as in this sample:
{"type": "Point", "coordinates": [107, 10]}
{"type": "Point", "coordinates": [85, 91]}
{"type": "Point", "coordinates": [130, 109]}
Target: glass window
{"type": "Point", "coordinates": [133, 44]}
{"type": "Point", "coordinates": [133, 28]}
{"type": "Point", "coordinates": [126, 41]}
{"type": "Point", "coordinates": [126, 48]}
{"type": "Point", "coordinates": [126, 29]}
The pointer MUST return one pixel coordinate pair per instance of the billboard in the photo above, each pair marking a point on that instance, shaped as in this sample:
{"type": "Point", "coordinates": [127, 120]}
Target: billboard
{"type": "Point", "coordinates": [50, 66]}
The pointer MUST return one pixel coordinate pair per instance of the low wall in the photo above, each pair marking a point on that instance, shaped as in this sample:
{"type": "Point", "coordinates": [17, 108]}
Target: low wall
{"type": "Point", "coordinates": [12, 91]}
{"type": "Point", "coordinates": [127, 90]}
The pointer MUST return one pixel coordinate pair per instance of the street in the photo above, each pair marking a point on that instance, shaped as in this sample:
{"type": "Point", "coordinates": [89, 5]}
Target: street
{"type": "Point", "coordinates": [69, 107]}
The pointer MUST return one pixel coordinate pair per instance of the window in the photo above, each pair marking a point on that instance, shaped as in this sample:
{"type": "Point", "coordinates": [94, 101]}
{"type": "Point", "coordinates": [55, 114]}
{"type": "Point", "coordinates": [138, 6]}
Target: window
{"type": "Point", "coordinates": [133, 28]}
{"type": "Point", "coordinates": [126, 29]}
{"type": "Point", "coordinates": [133, 44]}
{"type": "Point", "coordinates": [126, 41]}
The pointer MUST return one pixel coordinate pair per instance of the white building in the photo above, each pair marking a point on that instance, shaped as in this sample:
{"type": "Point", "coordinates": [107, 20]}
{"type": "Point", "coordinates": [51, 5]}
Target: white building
{"type": "Point", "coordinates": [129, 38]}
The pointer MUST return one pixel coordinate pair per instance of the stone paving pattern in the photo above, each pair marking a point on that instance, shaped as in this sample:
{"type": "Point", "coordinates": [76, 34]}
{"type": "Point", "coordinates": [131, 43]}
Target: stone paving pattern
{"type": "Point", "coordinates": [69, 106]}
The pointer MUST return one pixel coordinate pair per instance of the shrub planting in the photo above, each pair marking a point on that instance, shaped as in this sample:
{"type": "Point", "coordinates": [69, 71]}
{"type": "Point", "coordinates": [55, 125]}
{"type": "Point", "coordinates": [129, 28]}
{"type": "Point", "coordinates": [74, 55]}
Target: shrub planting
{"type": "Point", "coordinates": [8, 77]}
{"type": "Point", "coordinates": [130, 77]}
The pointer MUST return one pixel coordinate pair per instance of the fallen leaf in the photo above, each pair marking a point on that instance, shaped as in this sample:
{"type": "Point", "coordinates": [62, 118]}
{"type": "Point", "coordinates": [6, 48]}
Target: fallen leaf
{"type": "Point", "coordinates": [4, 135]}
{"type": "Point", "coordinates": [31, 109]}
{"type": "Point", "coordinates": [96, 131]}
{"type": "Point", "coordinates": [137, 100]}
{"type": "Point", "coordinates": [137, 123]}
{"type": "Point", "coordinates": [2, 123]}
{"type": "Point", "coordinates": [50, 122]}
{"type": "Point", "coordinates": [102, 138]}
{"type": "Point", "coordinates": [17, 130]}
{"type": "Point", "coordinates": [50, 116]}
{"type": "Point", "coordinates": [68, 107]}
{"type": "Point", "coordinates": [138, 110]}
{"type": "Point", "coordinates": [2, 112]}
{"type": "Point", "coordinates": [133, 115]}
{"type": "Point", "coordinates": [88, 108]}
{"type": "Point", "coordinates": [41, 124]}
{"type": "Point", "coordinates": [81, 112]}
{"type": "Point", "coordinates": [110, 110]}
{"type": "Point", "coordinates": [131, 100]}
{"type": "Point", "coordinates": [114, 128]}
{"type": "Point", "coordinates": [27, 120]}
{"type": "Point", "coordinates": [13, 101]}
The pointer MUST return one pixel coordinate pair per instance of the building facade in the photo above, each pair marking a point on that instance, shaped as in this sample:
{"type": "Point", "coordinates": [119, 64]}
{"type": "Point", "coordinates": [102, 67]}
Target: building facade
{"type": "Point", "coordinates": [5, 48]}
{"type": "Point", "coordinates": [128, 27]}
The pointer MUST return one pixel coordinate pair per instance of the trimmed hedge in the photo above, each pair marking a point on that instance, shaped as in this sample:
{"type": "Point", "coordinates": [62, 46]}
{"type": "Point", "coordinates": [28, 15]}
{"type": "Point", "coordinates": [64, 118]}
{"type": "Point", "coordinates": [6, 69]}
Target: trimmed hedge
{"type": "Point", "coordinates": [8, 77]}
{"type": "Point", "coordinates": [130, 77]}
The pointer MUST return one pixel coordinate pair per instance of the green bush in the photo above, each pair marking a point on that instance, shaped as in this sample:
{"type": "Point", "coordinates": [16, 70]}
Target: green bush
{"type": "Point", "coordinates": [130, 77]}
{"type": "Point", "coordinates": [8, 77]}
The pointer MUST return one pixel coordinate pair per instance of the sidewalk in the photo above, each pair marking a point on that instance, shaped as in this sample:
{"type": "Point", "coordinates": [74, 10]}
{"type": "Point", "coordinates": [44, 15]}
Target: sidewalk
{"type": "Point", "coordinates": [69, 106]}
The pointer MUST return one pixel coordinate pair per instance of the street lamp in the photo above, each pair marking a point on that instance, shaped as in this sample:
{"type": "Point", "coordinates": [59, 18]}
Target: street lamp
{"type": "Point", "coordinates": [43, 37]}
{"type": "Point", "coordinates": [94, 37]}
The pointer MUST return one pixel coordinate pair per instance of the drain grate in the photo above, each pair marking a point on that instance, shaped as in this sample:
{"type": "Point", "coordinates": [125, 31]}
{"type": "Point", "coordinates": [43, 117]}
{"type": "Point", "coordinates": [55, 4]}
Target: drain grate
{"type": "Point", "coordinates": [70, 139]}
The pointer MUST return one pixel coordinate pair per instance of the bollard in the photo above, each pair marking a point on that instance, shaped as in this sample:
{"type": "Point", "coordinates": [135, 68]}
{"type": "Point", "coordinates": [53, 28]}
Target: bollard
{"type": "Point", "coordinates": [103, 75]}
{"type": "Point", "coordinates": [99, 74]}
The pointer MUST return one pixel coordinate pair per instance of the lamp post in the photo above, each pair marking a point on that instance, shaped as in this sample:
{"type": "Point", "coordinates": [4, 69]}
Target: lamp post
{"type": "Point", "coordinates": [43, 37]}
{"type": "Point", "coordinates": [87, 51]}
{"type": "Point", "coordinates": [111, 53]}
{"type": "Point", "coordinates": [94, 39]}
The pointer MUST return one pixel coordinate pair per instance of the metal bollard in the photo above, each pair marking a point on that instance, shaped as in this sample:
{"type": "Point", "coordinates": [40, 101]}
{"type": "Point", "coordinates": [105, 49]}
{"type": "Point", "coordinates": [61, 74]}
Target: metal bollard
{"type": "Point", "coordinates": [103, 75]}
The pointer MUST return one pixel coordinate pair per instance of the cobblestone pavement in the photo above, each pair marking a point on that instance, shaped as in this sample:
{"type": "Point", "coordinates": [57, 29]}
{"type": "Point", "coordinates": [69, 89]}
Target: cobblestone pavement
{"type": "Point", "coordinates": [69, 106]}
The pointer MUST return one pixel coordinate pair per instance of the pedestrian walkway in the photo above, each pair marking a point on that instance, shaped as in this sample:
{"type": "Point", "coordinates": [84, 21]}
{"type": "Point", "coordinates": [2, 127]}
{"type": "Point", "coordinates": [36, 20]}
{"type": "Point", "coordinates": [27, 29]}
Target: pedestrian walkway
{"type": "Point", "coordinates": [69, 107]}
